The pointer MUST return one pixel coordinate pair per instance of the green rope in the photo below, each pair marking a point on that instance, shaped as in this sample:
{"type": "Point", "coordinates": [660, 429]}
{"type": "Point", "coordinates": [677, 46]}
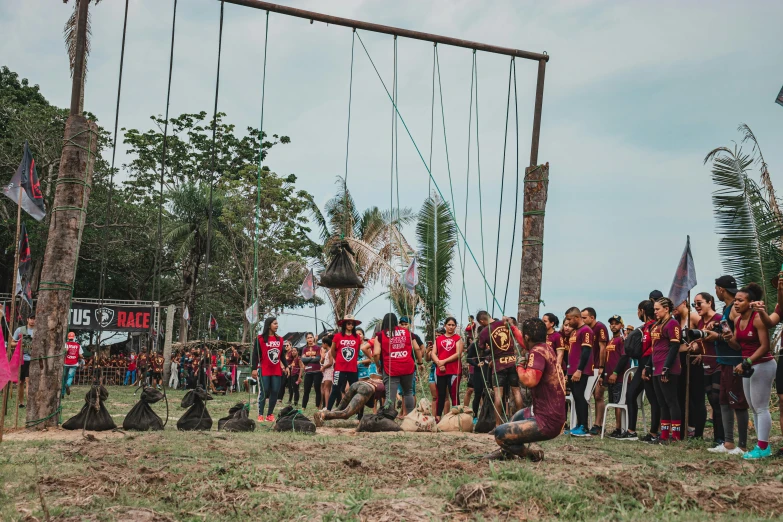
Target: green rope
{"type": "Point", "coordinates": [48, 357]}
{"type": "Point", "coordinates": [533, 213]}
{"type": "Point", "coordinates": [67, 208]}
{"type": "Point", "coordinates": [30, 424]}
{"type": "Point", "coordinates": [73, 181]}
{"type": "Point", "coordinates": [464, 297]}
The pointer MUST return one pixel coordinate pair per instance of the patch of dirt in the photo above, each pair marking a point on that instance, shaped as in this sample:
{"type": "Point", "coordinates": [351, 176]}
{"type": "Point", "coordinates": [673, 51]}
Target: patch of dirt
{"type": "Point", "coordinates": [409, 509]}
{"type": "Point", "coordinates": [473, 496]}
{"type": "Point", "coordinates": [24, 435]}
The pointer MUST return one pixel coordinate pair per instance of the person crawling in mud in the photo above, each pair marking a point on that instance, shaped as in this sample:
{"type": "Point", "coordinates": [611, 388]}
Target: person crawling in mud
{"type": "Point", "coordinates": [539, 372]}
{"type": "Point", "coordinates": [361, 394]}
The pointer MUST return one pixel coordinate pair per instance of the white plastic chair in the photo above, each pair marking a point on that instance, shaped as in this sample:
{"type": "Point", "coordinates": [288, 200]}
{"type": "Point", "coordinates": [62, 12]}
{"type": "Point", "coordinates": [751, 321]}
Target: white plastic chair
{"type": "Point", "coordinates": [591, 382]}
{"type": "Point", "coordinates": [627, 376]}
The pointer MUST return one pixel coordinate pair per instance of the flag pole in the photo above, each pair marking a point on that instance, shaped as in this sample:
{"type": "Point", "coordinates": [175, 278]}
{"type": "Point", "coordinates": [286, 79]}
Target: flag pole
{"type": "Point", "coordinates": [687, 374]}
{"type": "Point", "coordinates": [11, 323]}
{"type": "Point", "coordinates": [315, 310]}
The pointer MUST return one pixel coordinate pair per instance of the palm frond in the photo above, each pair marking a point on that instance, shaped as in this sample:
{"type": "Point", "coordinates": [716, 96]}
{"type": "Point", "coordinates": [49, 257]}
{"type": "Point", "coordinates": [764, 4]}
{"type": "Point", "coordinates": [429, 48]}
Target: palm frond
{"type": "Point", "coordinates": [749, 247]}
{"type": "Point", "coordinates": [766, 180]}
{"type": "Point", "coordinates": [69, 35]}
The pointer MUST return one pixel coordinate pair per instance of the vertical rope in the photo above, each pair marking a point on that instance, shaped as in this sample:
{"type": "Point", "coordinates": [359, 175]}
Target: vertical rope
{"type": "Point", "coordinates": [433, 283]}
{"type": "Point", "coordinates": [478, 169]}
{"type": "Point", "coordinates": [516, 191]}
{"type": "Point", "coordinates": [502, 181]}
{"type": "Point", "coordinates": [467, 182]}
{"type": "Point", "coordinates": [347, 142]}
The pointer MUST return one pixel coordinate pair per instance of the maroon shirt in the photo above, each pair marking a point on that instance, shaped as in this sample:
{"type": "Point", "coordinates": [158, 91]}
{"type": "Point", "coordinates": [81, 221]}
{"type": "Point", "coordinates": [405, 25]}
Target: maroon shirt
{"type": "Point", "coordinates": [555, 342]}
{"type": "Point", "coordinates": [661, 336]}
{"type": "Point", "coordinates": [503, 353]}
{"type": "Point", "coordinates": [748, 339]}
{"type": "Point", "coordinates": [709, 362]}
{"type": "Point", "coordinates": [614, 350]}
{"type": "Point", "coordinates": [549, 394]}
{"type": "Point", "coordinates": [601, 335]}
{"type": "Point", "coordinates": [579, 338]}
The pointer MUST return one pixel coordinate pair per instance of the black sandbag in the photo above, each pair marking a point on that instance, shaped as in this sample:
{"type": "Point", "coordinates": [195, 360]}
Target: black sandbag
{"type": "Point", "coordinates": [382, 421]}
{"type": "Point", "coordinates": [90, 417]}
{"type": "Point", "coordinates": [233, 410]}
{"type": "Point", "coordinates": [197, 417]}
{"type": "Point", "coordinates": [486, 417]}
{"type": "Point", "coordinates": [341, 272]}
{"type": "Point", "coordinates": [240, 422]}
{"type": "Point", "coordinates": [141, 417]}
{"type": "Point", "coordinates": [291, 419]}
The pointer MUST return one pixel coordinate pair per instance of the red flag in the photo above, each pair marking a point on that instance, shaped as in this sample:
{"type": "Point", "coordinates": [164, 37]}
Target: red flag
{"type": "Point", "coordinates": [308, 286]}
{"type": "Point", "coordinates": [6, 375]}
{"type": "Point", "coordinates": [213, 323]}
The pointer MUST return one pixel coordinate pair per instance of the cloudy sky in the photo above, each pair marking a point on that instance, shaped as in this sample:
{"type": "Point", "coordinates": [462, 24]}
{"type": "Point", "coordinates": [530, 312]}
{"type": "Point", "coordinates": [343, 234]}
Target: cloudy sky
{"type": "Point", "coordinates": [636, 95]}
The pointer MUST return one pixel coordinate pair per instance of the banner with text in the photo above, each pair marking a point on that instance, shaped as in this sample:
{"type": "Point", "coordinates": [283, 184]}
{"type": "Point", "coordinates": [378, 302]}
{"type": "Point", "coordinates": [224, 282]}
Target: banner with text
{"type": "Point", "coordinates": [114, 318]}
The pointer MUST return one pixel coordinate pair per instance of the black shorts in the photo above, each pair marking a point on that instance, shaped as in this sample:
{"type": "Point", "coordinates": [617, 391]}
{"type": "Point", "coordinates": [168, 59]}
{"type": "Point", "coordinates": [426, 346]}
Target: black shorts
{"type": "Point", "coordinates": [779, 378]}
{"type": "Point", "coordinates": [25, 372]}
{"type": "Point", "coordinates": [157, 375]}
{"type": "Point", "coordinates": [615, 391]}
{"type": "Point", "coordinates": [472, 376]}
{"type": "Point", "coordinates": [509, 377]}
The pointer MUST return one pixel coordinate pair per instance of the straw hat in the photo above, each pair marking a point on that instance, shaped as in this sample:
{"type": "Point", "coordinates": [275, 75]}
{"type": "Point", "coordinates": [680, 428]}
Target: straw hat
{"type": "Point", "coordinates": [348, 317]}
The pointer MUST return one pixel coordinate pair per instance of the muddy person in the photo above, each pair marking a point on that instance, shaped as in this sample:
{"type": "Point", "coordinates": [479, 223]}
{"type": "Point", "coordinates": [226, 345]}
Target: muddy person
{"type": "Point", "coordinates": [366, 367]}
{"type": "Point", "coordinates": [580, 367]}
{"type": "Point", "coordinates": [495, 341]}
{"type": "Point", "coordinates": [361, 394]}
{"type": "Point", "coordinates": [345, 354]}
{"type": "Point", "coordinates": [539, 372]}
{"type": "Point", "coordinates": [600, 341]}
{"type": "Point", "coordinates": [266, 361]}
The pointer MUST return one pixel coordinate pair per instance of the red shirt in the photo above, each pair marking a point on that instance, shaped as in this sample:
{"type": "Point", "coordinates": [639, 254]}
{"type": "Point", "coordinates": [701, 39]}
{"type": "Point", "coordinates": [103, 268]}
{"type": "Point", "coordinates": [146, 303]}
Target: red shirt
{"type": "Point", "coordinates": [647, 339]}
{"type": "Point", "coordinates": [447, 346]}
{"type": "Point", "coordinates": [661, 336]}
{"type": "Point", "coordinates": [748, 339]}
{"type": "Point", "coordinates": [549, 394]}
{"type": "Point", "coordinates": [269, 360]}
{"type": "Point", "coordinates": [72, 353]}
{"type": "Point", "coordinates": [397, 352]}
{"type": "Point", "coordinates": [579, 338]}
{"type": "Point", "coordinates": [346, 351]}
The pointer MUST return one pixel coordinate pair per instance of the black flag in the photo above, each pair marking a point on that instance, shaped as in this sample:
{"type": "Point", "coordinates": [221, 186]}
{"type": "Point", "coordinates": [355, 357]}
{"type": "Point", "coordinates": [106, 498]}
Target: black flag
{"type": "Point", "coordinates": [779, 99]}
{"type": "Point", "coordinates": [25, 268]}
{"type": "Point", "coordinates": [26, 177]}
{"type": "Point", "coordinates": [684, 278]}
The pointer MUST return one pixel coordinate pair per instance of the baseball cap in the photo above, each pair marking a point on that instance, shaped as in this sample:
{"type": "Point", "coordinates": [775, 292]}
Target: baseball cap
{"type": "Point", "coordinates": [728, 283]}
{"type": "Point", "coordinates": [404, 319]}
{"type": "Point", "coordinates": [71, 336]}
{"type": "Point", "coordinates": [616, 319]}
{"type": "Point", "coordinates": [655, 295]}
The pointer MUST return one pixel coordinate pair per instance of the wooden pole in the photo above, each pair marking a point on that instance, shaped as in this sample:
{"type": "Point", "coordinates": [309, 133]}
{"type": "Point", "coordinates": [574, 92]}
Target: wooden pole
{"type": "Point", "coordinates": [684, 429]}
{"type": "Point", "coordinates": [534, 205]}
{"type": "Point", "coordinates": [170, 311]}
{"type": "Point", "coordinates": [11, 323]}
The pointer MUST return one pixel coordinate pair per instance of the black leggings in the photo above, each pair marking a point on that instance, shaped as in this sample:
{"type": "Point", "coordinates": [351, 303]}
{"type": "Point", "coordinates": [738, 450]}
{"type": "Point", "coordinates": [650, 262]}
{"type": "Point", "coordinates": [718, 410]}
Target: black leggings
{"type": "Point", "coordinates": [667, 397]}
{"type": "Point", "coordinates": [283, 387]}
{"type": "Point", "coordinates": [578, 392]}
{"type": "Point", "coordinates": [712, 389]}
{"type": "Point", "coordinates": [448, 386]}
{"type": "Point", "coordinates": [479, 375]}
{"type": "Point", "coordinates": [635, 388]}
{"type": "Point", "coordinates": [339, 387]}
{"type": "Point", "coordinates": [293, 388]}
{"type": "Point", "coordinates": [513, 435]}
{"type": "Point", "coordinates": [312, 380]}
{"type": "Point", "coordinates": [697, 412]}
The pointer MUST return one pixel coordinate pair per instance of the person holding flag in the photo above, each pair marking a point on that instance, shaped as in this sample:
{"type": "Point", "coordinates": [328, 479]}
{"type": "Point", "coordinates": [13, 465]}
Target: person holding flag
{"type": "Point", "coordinates": [73, 354]}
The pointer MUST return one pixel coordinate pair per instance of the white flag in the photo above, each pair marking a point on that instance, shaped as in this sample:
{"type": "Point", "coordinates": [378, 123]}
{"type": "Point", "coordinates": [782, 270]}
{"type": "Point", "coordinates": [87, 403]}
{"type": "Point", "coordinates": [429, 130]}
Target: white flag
{"type": "Point", "coordinates": [308, 286]}
{"type": "Point", "coordinates": [186, 314]}
{"type": "Point", "coordinates": [252, 313]}
{"type": "Point", "coordinates": [411, 277]}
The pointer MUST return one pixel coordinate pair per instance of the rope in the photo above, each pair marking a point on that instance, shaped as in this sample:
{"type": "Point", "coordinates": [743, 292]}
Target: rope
{"type": "Point", "coordinates": [47, 357]}
{"type": "Point", "coordinates": [478, 170]}
{"type": "Point", "coordinates": [433, 298]}
{"type": "Point", "coordinates": [347, 140]}
{"type": "Point", "coordinates": [502, 180]}
{"type": "Point", "coordinates": [30, 424]}
{"type": "Point", "coordinates": [464, 297]}
{"type": "Point", "coordinates": [516, 190]}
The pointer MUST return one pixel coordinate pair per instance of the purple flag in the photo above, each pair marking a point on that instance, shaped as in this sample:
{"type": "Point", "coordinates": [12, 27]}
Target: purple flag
{"type": "Point", "coordinates": [684, 278]}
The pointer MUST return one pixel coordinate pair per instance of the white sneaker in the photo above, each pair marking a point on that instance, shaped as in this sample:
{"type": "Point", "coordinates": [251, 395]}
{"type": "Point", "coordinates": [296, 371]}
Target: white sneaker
{"type": "Point", "coordinates": [720, 448]}
{"type": "Point", "coordinates": [736, 451]}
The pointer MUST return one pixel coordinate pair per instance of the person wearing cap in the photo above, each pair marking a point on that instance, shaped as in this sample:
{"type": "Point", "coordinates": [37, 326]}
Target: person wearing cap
{"type": "Point", "coordinates": [345, 354]}
{"type": "Point", "coordinates": [614, 354]}
{"type": "Point", "coordinates": [73, 353]}
{"type": "Point", "coordinates": [600, 341]}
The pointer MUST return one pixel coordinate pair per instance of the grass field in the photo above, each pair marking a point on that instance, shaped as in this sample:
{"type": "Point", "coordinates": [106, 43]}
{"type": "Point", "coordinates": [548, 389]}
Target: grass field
{"type": "Point", "coordinates": [338, 474]}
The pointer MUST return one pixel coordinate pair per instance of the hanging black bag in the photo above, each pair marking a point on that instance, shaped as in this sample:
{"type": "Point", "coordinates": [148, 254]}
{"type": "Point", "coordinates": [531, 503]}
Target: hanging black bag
{"type": "Point", "coordinates": [341, 272]}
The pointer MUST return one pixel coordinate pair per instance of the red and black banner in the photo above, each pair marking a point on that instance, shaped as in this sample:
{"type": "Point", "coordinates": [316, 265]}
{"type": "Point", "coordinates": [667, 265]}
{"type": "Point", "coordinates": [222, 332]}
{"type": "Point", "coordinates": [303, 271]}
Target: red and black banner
{"type": "Point", "coordinates": [113, 318]}
{"type": "Point", "coordinates": [25, 268]}
{"type": "Point", "coordinates": [26, 177]}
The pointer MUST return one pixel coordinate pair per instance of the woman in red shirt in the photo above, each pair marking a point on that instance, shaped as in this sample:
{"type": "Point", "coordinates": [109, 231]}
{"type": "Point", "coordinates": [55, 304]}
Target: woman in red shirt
{"type": "Point", "coordinates": [397, 354]}
{"type": "Point", "coordinates": [266, 359]}
{"type": "Point", "coordinates": [758, 366]}
{"type": "Point", "coordinates": [345, 354]}
{"type": "Point", "coordinates": [447, 357]}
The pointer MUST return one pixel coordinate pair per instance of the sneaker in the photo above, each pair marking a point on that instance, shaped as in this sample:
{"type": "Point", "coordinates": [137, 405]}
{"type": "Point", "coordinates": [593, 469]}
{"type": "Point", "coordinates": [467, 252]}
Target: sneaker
{"type": "Point", "coordinates": [270, 418]}
{"type": "Point", "coordinates": [648, 438]}
{"type": "Point", "coordinates": [475, 420]}
{"type": "Point", "coordinates": [595, 430]}
{"type": "Point", "coordinates": [758, 453]}
{"type": "Point", "coordinates": [720, 448]}
{"type": "Point", "coordinates": [615, 434]}
{"type": "Point", "coordinates": [261, 418]}
{"type": "Point", "coordinates": [627, 435]}
{"type": "Point", "coordinates": [67, 390]}
{"type": "Point", "coordinates": [736, 451]}
{"type": "Point", "coordinates": [579, 431]}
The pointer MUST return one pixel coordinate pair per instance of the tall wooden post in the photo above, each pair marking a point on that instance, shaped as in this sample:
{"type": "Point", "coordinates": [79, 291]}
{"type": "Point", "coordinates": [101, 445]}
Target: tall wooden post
{"type": "Point", "coordinates": [62, 249]}
{"type": "Point", "coordinates": [170, 311]}
{"type": "Point", "coordinates": [534, 205]}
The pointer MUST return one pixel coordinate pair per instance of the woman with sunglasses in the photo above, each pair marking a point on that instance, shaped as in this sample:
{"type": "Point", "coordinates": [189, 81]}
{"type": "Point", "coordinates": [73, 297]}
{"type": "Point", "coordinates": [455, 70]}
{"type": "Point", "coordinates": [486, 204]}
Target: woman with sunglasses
{"type": "Point", "coordinates": [706, 354]}
{"type": "Point", "coordinates": [345, 350]}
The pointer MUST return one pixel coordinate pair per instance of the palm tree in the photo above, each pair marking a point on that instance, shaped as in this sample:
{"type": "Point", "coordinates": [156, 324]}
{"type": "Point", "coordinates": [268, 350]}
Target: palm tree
{"type": "Point", "coordinates": [437, 236]}
{"type": "Point", "coordinates": [747, 216]}
{"type": "Point", "coordinates": [186, 235]}
{"type": "Point", "coordinates": [375, 237]}
{"type": "Point", "coordinates": [69, 34]}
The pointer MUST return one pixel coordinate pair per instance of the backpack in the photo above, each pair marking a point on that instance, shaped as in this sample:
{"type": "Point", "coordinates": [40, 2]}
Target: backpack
{"type": "Point", "coordinates": [633, 344]}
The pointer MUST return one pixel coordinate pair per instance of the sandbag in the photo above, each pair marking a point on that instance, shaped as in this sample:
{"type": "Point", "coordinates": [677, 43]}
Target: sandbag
{"type": "Point", "coordinates": [382, 421]}
{"type": "Point", "coordinates": [240, 422]}
{"type": "Point", "coordinates": [93, 416]}
{"type": "Point", "coordinates": [486, 417]}
{"type": "Point", "coordinates": [419, 419]}
{"type": "Point", "coordinates": [291, 419]}
{"type": "Point", "coordinates": [460, 418]}
{"type": "Point", "coordinates": [233, 410]}
{"type": "Point", "coordinates": [197, 417]}
{"type": "Point", "coordinates": [341, 272]}
{"type": "Point", "coordinates": [141, 417]}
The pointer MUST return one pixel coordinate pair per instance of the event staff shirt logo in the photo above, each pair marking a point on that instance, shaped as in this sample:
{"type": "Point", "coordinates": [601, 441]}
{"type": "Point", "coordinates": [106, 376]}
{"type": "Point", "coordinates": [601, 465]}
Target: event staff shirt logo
{"type": "Point", "coordinates": [501, 339]}
{"type": "Point", "coordinates": [104, 316]}
{"type": "Point", "coordinates": [448, 344]}
{"type": "Point", "coordinates": [274, 355]}
{"type": "Point", "coordinates": [348, 353]}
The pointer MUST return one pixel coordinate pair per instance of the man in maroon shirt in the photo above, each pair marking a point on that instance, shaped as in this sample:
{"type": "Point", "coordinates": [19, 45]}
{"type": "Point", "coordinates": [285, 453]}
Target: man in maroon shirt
{"type": "Point", "coordinates": [600, 340]}
{"type": "Point", "coordinates": [495, 340]}
{"type": "Point", "coordinates": [580, 367]}
{"type": "Point", "coordinates": [614, 352]}
{"type": "Point", "coordinates": [541, 374]}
